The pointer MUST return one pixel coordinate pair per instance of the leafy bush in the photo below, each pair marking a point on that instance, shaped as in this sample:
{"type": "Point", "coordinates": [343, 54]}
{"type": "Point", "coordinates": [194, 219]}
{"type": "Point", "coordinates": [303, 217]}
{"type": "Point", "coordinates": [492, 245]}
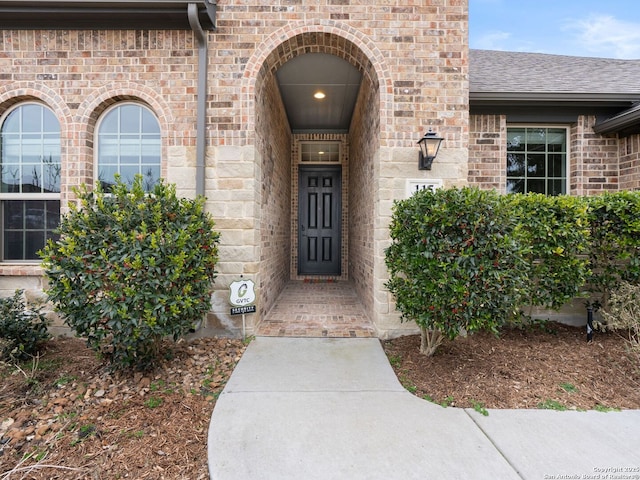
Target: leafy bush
{"type": "Point", "coordinates": [614, 253]}
{"type": "Point", "coordinates": [555, 230]}
{"type": "Point", "coordinates": [623, 313]}
{"type": "Point", "coordinates": [22, 330]}
{"type": "Point", "coordinates": [455, 262]}
{"type": "Point", "coordinates": [131, 268]}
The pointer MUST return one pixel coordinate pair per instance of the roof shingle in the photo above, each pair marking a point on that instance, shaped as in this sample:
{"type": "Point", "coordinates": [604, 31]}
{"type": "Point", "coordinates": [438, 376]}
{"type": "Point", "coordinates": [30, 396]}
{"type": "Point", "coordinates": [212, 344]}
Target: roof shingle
{"type": "Point", "coordinates": [513, 72]}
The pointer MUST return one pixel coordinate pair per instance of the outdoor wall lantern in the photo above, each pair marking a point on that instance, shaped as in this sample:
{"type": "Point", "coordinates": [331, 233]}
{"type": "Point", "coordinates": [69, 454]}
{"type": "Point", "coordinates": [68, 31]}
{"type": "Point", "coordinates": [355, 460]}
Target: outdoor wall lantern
{"type": "Point", "coordinates": [429, 146]}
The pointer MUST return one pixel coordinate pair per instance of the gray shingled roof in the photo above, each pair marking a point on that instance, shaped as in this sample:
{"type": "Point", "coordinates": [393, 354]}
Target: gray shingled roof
{"type": "Point", "coordinates": [536, 73]}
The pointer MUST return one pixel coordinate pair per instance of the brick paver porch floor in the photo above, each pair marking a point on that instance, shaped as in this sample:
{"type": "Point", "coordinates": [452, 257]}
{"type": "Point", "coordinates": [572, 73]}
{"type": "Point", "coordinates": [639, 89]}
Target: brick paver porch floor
{"type": "Point", "coordinates": [324, 309]}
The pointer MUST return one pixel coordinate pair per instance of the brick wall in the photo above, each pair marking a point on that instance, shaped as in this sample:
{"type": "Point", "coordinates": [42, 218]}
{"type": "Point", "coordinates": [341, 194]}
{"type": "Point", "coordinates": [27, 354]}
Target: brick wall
{"type": "Point", "coordinates": [487, 151]}
{"type": "Point", "coordinates": [273, 141]}
{"type": "Point", "coordinates": [414, 59]}
{"type": "Point", "coordinates": [592, 164]}
{"type": "Point", "coordinates": [362, 194]}
{"type": "Point", "coordinates": [630, 163]}
{"type": "Point", "coordinates": [594, 159]}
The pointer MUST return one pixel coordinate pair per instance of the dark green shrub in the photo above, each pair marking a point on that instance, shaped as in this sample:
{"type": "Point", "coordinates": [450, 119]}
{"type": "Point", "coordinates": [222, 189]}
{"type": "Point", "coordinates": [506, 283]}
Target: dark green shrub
{"type": "Point", "coordinates": [614, 252]}
{"type": "Point", "coordinates": [455, 262]}
{"type": "Point", "coordinates": [22, 330]}
{"type": "Point", "coordinates": [132, 268]}
{"type": "Point", "coordinates": [555, 230]}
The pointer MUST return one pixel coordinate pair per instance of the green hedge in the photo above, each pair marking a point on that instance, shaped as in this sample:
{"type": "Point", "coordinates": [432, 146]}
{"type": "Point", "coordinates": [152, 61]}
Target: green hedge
{"type": "Point", "coordinates": [614, 251]}
{"type": "Point", "coordinates": [467, 259]}
{"type": "Point", "coordinates": [132, 268]}
{"type": "Point", "coordinates": [456, 262]}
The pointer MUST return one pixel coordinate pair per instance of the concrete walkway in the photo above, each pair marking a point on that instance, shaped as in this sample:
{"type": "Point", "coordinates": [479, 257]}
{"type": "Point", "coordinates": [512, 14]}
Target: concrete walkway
{"type": "Point", "coordinates": [327, 408]}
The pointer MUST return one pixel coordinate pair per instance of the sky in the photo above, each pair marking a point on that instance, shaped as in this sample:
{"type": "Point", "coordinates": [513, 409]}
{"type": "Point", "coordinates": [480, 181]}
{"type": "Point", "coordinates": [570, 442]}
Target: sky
{"type": "Point", "coordinates": [586, 28]}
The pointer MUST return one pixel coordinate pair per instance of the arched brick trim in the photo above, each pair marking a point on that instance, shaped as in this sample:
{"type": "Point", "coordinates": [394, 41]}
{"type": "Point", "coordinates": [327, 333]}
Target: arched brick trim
{"type": "Point", "coordinates": [306, 37]}
{"type": "Point", "coordinates": [18, 92]}
{"type": "Point", "coordinates": [90, 110]}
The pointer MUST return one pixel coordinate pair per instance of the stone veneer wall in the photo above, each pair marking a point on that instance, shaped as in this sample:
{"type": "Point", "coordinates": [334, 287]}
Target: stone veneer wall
{"type": "Point", "coordinates": [630, 163]}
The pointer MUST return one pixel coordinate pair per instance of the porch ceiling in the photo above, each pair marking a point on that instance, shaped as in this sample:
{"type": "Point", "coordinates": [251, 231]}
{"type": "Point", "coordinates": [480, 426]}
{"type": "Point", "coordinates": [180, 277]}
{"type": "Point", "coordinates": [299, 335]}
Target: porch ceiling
{"type": "Point", "coordinates": [304, 75]}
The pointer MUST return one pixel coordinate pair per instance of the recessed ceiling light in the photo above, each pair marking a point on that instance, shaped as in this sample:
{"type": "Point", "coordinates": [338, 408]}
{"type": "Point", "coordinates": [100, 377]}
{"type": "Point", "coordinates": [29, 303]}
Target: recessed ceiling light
{"type": "Point", "coordinates": [320, 152]}
{"type": "Point", "coordinates": [319, 95]}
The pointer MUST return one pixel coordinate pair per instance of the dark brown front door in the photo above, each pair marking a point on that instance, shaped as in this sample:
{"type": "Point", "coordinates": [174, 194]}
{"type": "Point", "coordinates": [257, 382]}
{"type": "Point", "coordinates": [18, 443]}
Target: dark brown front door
{"type": "Point", "coordinates": [320, 218]}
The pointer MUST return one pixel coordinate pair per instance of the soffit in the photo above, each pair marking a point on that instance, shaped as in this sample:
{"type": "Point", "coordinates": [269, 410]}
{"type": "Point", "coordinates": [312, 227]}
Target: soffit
{"type": "Point", "coordinates": [298, 80]}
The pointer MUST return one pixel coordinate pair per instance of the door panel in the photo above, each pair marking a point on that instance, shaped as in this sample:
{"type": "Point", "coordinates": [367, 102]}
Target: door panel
{"type": "Point", "coordinates": [319, 220]}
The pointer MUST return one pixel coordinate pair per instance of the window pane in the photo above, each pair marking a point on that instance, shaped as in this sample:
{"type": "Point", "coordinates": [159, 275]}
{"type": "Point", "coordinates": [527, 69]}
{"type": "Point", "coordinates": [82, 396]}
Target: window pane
{"type": "Point", "coordinates": [542, 165]}
{"type": "Point", "coordinates": [31, 118]}
{"type": "Point", "coordinates": [128, 173]}
{"type": "Point", "coordinates": [515, 186]}
{"type": "Point", "coordinates": [27, 146]}
{"type": "Point", "coordinates": [536, 186]}
{"type": "Point", "coordinates": [13, 246]}
{"type": "Point", "coordinates": [53, 216]}
{"type": "Point", "coordinates": [30, 163]}
{"type": "Point", "coordinates": [129, 119]}
{"type": "Point", "coordinates": [535, 165]}
{"type": "Point", "coordinates": [149, 123]}
{"type": "Point", "coordinates": [13, 215]}
{"type": "Point", "coordinates": [50, 122]}
{"type": "Point", "coordinates": [106, 176]}
{"type": "Point", "coordinates": [10, 178]}
{"type": "Point", "coordinates": [556, 165]}
{"type": "Point", "coordinates": [132, 148]}
{"type": "Point", "coordinates": [27, 225]}
{"type": "Point", "coordinates": [51, 178]}
{"type": "Point", "coordinates": [515, 165]}
{"type": "Point", "coordinates": [12, 122]}
{"type": "Point", "coordinates": [535, 138]}
{"type": "Point", "coordinates": [556, 138]}
{"type": "Point", "coordinates": [34, 241]}
{"type": "Point", "coordinates": [110, 122]}
{"type": "Point", "coordinates": [516, 139]}
{"type": "Point", "coordinates": [151, 176]}
{"type": "Point", "coordinates": [34, 214]}
{"type": "Point", "coordinates": [555, 187]}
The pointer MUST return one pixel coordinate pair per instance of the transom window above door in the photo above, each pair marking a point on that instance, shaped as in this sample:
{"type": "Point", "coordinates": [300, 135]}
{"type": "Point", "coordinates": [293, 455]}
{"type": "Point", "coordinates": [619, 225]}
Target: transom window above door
{"type": "Point", "coordinates": [128, 145]}
{"type": "Point", "coordinates": [320, 152]}
{"type": "Point", "coordinates": [537, 160]}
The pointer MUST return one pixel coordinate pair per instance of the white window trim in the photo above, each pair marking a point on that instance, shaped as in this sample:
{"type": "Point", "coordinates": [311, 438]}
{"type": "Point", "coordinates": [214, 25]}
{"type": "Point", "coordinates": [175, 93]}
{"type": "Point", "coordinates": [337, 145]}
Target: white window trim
{"type": "Point", "coordinates": [19, 196]}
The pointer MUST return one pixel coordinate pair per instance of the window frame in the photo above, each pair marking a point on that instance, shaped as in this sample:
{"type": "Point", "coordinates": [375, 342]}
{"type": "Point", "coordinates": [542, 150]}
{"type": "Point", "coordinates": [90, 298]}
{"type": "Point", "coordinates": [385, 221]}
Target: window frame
{"type": "Point", "coordinates": [546, 177]}
{"type": "Point", "coordinates": [302, 143]}
{"type": "Point", "coordinates": [28, 196]}
{"type": "Point", "coordinates": [96, 139]}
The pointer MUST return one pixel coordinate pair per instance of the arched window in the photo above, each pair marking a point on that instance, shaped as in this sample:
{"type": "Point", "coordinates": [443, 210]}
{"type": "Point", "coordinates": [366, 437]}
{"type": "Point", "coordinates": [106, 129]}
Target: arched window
{"type": "Point", "coordinates": [128, 143]}
{"type": "Point", "coordinates": [30, 179]}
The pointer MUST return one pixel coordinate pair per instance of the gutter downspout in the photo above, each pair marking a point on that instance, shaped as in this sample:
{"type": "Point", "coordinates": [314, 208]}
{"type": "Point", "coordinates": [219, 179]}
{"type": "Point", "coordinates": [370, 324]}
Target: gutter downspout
{"type": "Point", "coordinates": [201, 140]}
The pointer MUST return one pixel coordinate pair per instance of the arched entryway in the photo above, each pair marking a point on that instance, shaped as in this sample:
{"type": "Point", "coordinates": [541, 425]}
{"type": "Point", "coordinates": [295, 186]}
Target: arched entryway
{"type": "Point", "coordinates": [301, 190]}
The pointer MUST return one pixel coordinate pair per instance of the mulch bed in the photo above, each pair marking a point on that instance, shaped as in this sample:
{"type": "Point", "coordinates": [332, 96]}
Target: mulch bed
{"type": "Point", "coordinates": [538, 367]}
